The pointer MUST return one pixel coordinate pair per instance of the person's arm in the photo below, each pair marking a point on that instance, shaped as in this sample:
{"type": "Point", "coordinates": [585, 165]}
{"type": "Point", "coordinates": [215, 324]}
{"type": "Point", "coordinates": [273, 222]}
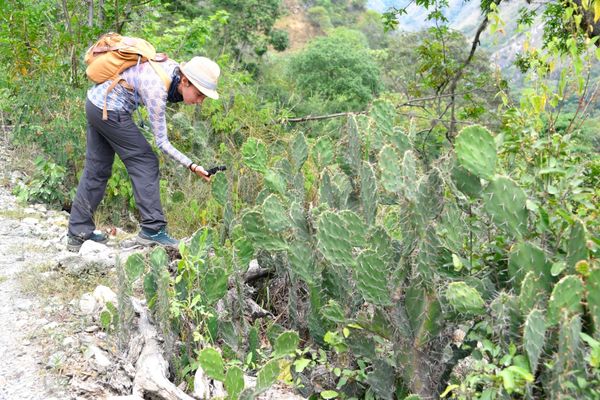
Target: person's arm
{"type": "Point", "coordinates": [154, 95]}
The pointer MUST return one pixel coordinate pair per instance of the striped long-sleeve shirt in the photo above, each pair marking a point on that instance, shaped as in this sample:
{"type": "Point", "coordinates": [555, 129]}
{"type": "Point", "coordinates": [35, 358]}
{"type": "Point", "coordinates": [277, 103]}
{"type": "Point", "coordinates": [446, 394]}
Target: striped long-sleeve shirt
{"type": "Point", "coordinates": [151, 92]}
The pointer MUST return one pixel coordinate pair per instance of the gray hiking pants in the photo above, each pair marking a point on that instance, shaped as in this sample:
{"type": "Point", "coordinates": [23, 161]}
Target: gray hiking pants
{"type": "Point", "coordinates": [119, 134]}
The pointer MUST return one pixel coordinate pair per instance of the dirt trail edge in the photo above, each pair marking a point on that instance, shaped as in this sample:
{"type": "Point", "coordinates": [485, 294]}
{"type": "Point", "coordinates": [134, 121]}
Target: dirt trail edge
{"type": "Point", "coordinates": [29, 237]}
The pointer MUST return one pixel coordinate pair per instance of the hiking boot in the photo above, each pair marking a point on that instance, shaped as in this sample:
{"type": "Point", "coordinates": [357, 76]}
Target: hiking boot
{"type": "Point", "coordinates": [161, 237]}
{"type": "Point", "coordinates": [74, 242]}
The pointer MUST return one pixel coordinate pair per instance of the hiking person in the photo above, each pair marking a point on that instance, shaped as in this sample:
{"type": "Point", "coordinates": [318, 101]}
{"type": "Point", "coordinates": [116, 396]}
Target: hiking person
{"type": "Point", "coordinates": [110, 130]}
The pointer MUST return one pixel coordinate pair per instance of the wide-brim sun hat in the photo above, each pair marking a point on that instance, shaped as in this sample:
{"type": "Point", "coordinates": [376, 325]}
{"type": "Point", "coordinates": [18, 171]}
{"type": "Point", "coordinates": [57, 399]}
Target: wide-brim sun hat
{"type": "Point", "coordinates": [203, 73]}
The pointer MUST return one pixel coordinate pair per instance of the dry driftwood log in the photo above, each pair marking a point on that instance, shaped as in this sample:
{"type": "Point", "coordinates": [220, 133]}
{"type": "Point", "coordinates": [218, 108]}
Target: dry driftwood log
{"type": "Point", "coordinates": [151, 367]}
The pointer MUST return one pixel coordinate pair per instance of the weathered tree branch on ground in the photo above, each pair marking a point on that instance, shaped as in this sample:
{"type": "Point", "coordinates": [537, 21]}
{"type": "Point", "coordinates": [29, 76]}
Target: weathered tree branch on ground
{"type": "Point", "coordinates": [151, 367]}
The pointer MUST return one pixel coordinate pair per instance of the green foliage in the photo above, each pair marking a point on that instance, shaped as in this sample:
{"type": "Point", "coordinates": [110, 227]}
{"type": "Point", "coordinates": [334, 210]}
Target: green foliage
{"type": "Point", "coordinates": [46, 184]}
{"type": "Point", "coordinates": [337, 67]}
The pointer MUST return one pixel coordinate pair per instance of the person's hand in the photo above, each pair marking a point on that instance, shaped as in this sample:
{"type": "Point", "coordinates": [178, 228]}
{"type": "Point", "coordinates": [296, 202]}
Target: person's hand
{"type": "Point", "coordinates": [200, 171]}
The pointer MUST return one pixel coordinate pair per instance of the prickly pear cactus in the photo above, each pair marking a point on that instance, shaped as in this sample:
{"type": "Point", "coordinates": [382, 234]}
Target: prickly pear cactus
{"type": "Point", "coordinates": [368, 192]}
{"type": "Point", "coordinates": [576, 248]}
{"type": "Point", "coordinates": [323, 152]}
{"type": "Point", "coordinates": [219, 188]}
{"type": "Point", "coordinates": [254, 226]}
{"type": "Point", "coordinates": [593, 300]}
{"type": "Point", "coordinates": [424, 313]}
{"type": "Point", "coordinates": [303, 261]}
{"type": "Point", "coordinates": [326, 190]}
{"type": "Point", "coordinates": [391, 170]}
{"type": "Point", "coordinates": [338, 234]}
{"type": "Point", "coordinates": [371, 275]}
{"type": "Point", "coordinates": [534, 337]}
{"type": "Point", "coordinates": [275, 182]}
{"type": "Point", "coordinates": [383, 114]}
{"type": "Point", "coordinates": [466, 182]}
{"type": "Point", "coordinates": [526, 257]}
{"type": "Point", "coordinates": [476, 151]}
{"type": "Point", "coordinates": [299, 151]}
{"type": "Point", "coordinates": [399, 139]}
{"type": "Point", "coordinates": [254, 154]}
{"type": "Point", "coordinates": [430, 200]}
{"type": "Point", "coordinates": [566, 297]}
{"type": "Point", "coordinates": [465, 299]}
{"type": "Point", "coordinates": [505, 201]}
{"type": "Point", "coordinates": [409, 176]}
{"type": "Point", "coordinates": [533, 292]}
{"type": "Point", "coordinates": [275, 214]}
{"type": "Point", "coordinates": [349, 156]}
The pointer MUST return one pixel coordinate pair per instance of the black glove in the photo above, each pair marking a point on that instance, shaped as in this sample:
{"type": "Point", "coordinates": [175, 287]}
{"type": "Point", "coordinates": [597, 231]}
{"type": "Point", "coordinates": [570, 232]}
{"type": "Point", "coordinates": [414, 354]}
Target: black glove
{"type": "Point", "coordinates": [214, 170]}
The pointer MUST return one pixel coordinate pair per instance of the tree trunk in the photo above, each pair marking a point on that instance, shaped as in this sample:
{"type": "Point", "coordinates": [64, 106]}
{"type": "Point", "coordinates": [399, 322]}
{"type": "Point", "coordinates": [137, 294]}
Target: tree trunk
{"type": "Point", "coordinates": [101, 13]}
{"type": "Point", "coordinates": [90, 21]}
{"type": "Point", "coordinates": [74, 63]}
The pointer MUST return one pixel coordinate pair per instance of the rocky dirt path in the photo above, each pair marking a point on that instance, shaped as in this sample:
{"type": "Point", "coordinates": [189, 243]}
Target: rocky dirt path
{"type": "Point", "coordinates": [29, 237]}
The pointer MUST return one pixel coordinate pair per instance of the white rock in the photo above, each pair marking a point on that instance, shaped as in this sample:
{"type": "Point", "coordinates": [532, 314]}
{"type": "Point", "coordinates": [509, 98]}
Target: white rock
{"type": "Point", "coordinates": [88, 304]}
{"type": "Point", "coordinates": [99, 356]}
{"type": "Point", "coordinates": [69, 342]}
{"type": "Point", "coordinates": [30, 221]}
{"type": "Point", "coordinates": [201, 385]}
{"type": "Point", "coordinates": [23, 304]}
{"type": "Point", "coordinates": [40, 207]}
{"type": "Point", "coordinates": [97, 254]}
{"type": "Point", "coordinates": [104, 294]}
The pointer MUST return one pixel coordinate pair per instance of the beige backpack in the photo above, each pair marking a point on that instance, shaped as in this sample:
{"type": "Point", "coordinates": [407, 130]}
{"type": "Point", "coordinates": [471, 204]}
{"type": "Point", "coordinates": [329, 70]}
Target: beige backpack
{"type": "Point", "coordinates": [112, 54]}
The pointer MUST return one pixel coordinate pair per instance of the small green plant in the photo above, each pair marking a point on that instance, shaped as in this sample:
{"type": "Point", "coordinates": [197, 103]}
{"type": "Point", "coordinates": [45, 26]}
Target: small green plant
{"type": "Point", "coordinates": [46, 184]}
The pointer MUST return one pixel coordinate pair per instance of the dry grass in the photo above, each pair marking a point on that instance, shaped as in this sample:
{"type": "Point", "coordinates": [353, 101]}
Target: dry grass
{"type": "Point", "coordinates": [45, 281]}
{"type": "Point", "coordinates": [16, 213]}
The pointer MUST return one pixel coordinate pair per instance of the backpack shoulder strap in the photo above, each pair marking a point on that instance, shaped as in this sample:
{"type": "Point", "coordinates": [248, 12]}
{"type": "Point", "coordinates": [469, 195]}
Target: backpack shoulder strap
{"type": "Point", "coordinates": [161, 72]}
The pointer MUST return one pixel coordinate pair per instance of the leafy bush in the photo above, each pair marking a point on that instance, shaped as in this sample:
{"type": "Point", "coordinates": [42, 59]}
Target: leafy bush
{"type": "Point", "coordinates": [46, 184]}
{"type": "Point", "coordinates": [339, 68]}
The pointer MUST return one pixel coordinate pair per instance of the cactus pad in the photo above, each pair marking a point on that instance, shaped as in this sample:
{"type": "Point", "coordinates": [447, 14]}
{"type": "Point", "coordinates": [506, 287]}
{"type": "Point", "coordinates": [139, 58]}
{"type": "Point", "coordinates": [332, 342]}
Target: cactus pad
{"type": "Point", "coordinates": [566, 297]}
{"type": "Point", "coordinates": [466, 182]}
{"type": "Point", "coordinates": [476, 151]}
{"type": "Point", "coordinates": [505, 202]}
{"type": "Point", "coordinates": [302, 261]}
{"type": "Point", "coordinates": [299, 150]}
{"type": "Point", "coordinates": [576, 247]}
{"type": "Point", "coordinates": [218, 188]}
{"type": "Point", "coordinates": [323, 152]}
{"type": "Point", "coordinates": [371, 275]}
{"type": "Point", "coordinates": [465, 299]}
{"type": "Point", "coordinates": [368, 192]}
{"type": "Point", "coordinates": [409, 176]}
{"type": "Point", "coordinates": [391, 170]}
{"type": "Point", "coordinates": [254, 226]}
{"type": "Point", "coordinates": [338, 234]}
{"type": "Point", "coordinates": [275, 214]}
{"type": "Point", "coordinates": [593, 300]}
{"type": "Point", "coordinates": [527, 257]}
{"type": "Point", "coordinates": [534, 337]}
{"type": "Point", "coordinates": [254, 154]}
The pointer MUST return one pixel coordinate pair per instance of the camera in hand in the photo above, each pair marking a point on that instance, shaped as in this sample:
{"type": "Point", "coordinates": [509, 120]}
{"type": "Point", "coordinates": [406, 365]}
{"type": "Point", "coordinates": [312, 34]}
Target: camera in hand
{"type": "Point", "coordinates": [214, 170]}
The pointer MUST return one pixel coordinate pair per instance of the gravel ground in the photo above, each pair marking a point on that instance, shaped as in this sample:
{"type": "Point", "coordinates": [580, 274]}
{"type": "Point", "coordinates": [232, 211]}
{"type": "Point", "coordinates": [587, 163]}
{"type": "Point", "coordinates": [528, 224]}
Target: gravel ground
{"type": "Point", "coordinates": [29, 236]}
